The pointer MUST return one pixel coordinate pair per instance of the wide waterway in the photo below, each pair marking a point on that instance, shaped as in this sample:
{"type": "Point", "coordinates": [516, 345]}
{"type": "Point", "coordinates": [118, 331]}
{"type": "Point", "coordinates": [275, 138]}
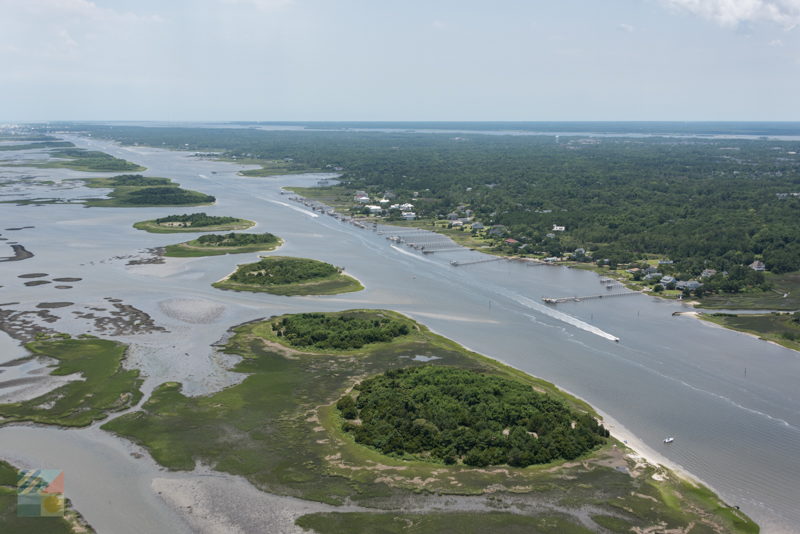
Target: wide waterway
{"type": "Point", "coordinates": [730, 400]}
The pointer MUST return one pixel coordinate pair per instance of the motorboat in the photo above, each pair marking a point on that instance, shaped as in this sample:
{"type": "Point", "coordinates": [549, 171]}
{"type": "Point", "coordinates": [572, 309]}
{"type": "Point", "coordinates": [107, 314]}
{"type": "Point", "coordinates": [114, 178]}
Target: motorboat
{"type": "Point", "coordinates": [669, 439]}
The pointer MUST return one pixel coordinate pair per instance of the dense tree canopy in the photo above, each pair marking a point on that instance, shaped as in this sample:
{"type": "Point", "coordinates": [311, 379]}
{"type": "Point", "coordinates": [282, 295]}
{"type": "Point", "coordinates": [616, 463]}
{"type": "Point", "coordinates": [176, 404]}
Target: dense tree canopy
{"type": "Point", "coordinates": [340, 331]}
{"type": "Point", "coordinates": [236, 240]}
{"type": "Point", "coordinates": [197, 220]}
{"type": "Point", "coordinates": [164, 195]}
{"type": "Point", "coordinates": [277, 270]}
{"type": "Point", "coordinates": [453, 414]}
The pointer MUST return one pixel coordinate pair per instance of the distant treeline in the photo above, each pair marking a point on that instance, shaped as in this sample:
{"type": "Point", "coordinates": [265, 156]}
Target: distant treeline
{"type": "Point", "coordinates": [458, 415]}
{"type": "Point", "coordinates": [29, 146]}
{"type": "Point", "coordinates": [94, 160]}
{"type": "Point", "coordinates": [197, 219]}
{"type": "Point", "coordinates": [703, 202]}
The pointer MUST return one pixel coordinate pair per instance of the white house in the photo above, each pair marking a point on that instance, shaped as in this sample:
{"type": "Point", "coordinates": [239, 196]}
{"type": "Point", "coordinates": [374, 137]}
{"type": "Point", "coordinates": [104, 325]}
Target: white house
{"type": "Point", "coordinates": [557, 228]}
{"type": "Point", "coordinates": [373, 208]}
{"type": "Point", "coordinates": [409, 215]}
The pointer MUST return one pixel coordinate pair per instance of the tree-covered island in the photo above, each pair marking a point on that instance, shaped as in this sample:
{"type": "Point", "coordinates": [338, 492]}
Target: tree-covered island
{"type": "Point", "coordinates": [193, 222]}
{"type": "Point", "coordinates": [135, 190]}
{"type": "Point", "coordinates": [283, 275]}
{"type": "Point", "coordinates": [218, 244]}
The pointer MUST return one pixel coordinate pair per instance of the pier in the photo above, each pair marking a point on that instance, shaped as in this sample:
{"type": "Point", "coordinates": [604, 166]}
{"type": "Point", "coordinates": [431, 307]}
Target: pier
{"type": "Point", "coordinates": [557, 300]}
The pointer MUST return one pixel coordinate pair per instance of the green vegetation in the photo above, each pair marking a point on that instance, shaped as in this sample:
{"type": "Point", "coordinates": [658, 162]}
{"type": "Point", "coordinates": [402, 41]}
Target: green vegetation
{"type": "Point", "coordinates": [782, 328]}
{"type": "Point", "coordinates": [457, 415]}
{"type": "Point", "coordinates": [105, 386]}
{"type": "Point", "coordinates": [193, 222]}
{"type": "Point", "coordinates": [79, 159]}
{"type": "Point", "coordinates": [441, 523]}
{"type": "Point", "coordinates": [283, 275]}
{"type": "Point", "coordinates": [280, 429]}
{"type": "Point", "coordinates": [272, 167]}
{"type": "Point", "coordinates": [135, 190]}
{"type": "Point", "coordinates": [339, 331]}
{"type": "Point", "coordinates": [782, 293]}
{"type": "Point", "coordinates": [71, 523]}
{"type": "Point", "coordinates": [216, 244]}
{"type": "Point", "coordinates": [31, 146]}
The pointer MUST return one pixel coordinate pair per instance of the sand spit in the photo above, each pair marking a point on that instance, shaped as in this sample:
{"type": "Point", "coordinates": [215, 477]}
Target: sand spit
{"type": "Point", "coordinates": [221, 504]}
{"type": "Point", "coordinates": [193, 311]}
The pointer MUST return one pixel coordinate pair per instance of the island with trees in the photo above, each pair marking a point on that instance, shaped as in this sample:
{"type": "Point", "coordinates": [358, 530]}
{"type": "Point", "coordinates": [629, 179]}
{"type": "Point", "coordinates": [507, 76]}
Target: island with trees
{"type": "Point", "coordinates": [135, 190]}
{"type": "Point", "coordinates": [453, 415]}
{"type": "Point", "coordinates": [193, 222]}
{"type": "Point", "coordinates": [219, 244]}
{"type": "Point", "coordinates": [297, 368]}
{"type": "Point", "coordinates": [284, 275]}
{"type": "Point", "coordinates": [79, 159]}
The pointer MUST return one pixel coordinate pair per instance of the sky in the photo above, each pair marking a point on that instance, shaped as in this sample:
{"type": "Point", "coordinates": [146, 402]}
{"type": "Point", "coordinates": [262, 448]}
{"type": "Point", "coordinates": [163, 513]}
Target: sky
{"type": "Point", "coordinates": [400, 60]}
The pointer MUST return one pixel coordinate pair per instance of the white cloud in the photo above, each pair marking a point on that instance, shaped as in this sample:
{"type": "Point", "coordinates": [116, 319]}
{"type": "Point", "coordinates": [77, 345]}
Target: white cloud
{"type": "Point", "coordinates": [625, 28]}
{"type": "Point", "coordinates": [263, 5]}
{"type": "Point", "coordinates": [733, 12]}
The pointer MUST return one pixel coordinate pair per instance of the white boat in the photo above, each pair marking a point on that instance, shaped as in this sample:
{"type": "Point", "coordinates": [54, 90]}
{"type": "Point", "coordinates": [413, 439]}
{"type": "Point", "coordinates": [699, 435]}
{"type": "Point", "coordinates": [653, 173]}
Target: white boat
{"type": "Point", "coordinates": [669, 439]}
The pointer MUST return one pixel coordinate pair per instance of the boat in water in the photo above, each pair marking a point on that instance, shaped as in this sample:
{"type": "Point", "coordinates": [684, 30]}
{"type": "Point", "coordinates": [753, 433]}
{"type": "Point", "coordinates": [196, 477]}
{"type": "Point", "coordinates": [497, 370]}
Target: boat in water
{"type": "Point", "coordinates": [669, 439]}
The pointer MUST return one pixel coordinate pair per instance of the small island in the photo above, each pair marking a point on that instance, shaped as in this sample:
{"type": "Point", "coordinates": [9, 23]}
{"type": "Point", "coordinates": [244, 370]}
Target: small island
{"type": "Point", "coordinates": [283, 275]}
{"type": "Point", "coordinates": [193, 222]}
{"type": "Point", "coordinates": [135, 190]}
{"type": "Point", "coordinates": [219, 244]}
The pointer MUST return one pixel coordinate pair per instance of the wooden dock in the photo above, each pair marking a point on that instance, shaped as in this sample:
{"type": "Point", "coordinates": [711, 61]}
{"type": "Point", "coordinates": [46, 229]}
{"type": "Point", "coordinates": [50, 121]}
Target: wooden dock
{"type": "Point", "coordinates": [557, 300]}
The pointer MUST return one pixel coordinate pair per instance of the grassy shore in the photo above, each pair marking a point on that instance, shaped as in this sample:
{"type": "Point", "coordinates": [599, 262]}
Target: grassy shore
{"type": "Point", "coordinates": [155, 228]}
{"type": "Point", "coordinates": [71, 523]}
{"type": "Point", "coordinates": [105, 386]}
{"type": "Point", "coordinates": [79, 159]}
{"type": "Point", "coordinates": [775, 327]}
{"type": "Point", "coordinates": [784, 295]}
{"type": "Point", "coordinates": [331, 284]}
{"type": "Point", "coordinates": [195, 249]}
{"type": "Point", "coordinates": [271, 167]}
{"type": "Point", "coordinates": [279, 428]}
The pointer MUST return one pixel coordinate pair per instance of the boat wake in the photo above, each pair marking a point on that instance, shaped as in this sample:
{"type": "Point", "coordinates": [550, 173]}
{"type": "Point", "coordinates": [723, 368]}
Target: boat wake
{"type": "Point", "coordinates": [561, 316]}
{"type": "Point", "coordinates": [295, 208]}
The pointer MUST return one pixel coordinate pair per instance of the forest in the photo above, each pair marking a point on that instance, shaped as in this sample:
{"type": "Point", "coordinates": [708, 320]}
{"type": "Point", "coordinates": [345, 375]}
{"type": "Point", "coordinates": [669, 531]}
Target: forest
{"type": "Point", "coordinates": [235, 240]}
{"type": "Point", "coordinates": [457, 415]}
{"type": "Point", "coordinates": [282, 270]}
{"type": "Point", "coordinates": [197, 220]}
{"type": "Point", "coordinates": [702, 202]}
{"type": "Point", "coordinates": [343, 331]}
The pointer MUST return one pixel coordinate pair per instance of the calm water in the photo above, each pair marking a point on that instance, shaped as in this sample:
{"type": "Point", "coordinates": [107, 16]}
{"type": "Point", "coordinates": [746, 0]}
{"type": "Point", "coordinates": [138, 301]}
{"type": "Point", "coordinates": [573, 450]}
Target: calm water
{"type": "Point", "coordinates": [738, 431]}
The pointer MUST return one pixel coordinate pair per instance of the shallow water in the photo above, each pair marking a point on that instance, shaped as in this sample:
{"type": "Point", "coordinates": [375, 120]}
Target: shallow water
{"type": "Point", "coordinates": [666, 376]}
